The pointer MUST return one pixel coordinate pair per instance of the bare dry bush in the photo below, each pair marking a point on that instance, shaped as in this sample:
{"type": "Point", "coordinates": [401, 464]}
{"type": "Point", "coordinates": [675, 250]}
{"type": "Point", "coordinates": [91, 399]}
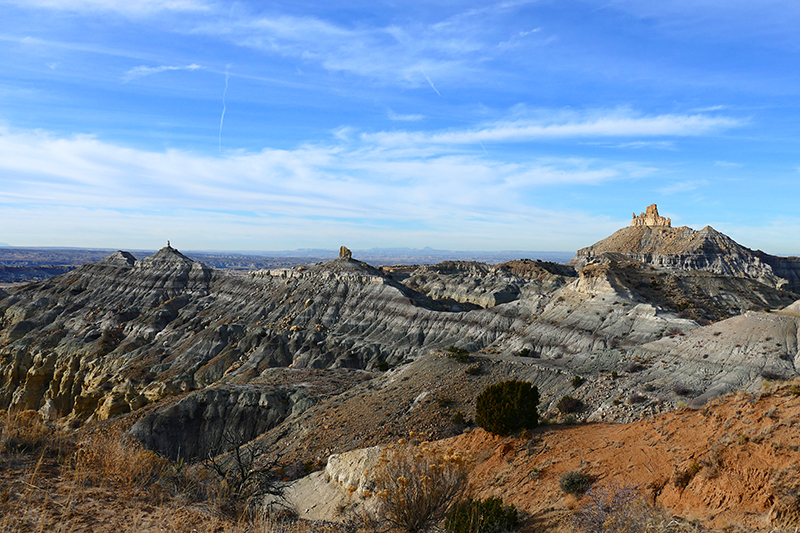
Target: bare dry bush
{"type": "Point", "coordinates": [417, 485]}
{"type": "Point", "coordinates": [269, 524]}
{"type": "Point", "coordinates": [785, 512]}
{"type": "Point", "coordinates": [245, 478]}
{"type": "Point", "coordinates": [621, 509]}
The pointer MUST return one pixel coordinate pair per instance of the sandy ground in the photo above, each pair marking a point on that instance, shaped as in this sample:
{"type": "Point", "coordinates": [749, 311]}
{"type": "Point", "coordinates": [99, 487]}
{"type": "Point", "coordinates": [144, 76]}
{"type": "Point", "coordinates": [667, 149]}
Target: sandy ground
{"type": "Point", "coordinates": [735, 462]}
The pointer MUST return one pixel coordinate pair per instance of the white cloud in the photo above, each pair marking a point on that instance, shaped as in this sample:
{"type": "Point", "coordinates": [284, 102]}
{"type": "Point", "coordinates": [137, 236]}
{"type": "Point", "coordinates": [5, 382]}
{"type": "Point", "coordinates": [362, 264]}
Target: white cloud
{"type": "Point", "coordinates": [141, 71]}
{"type": "Point", "coordinates": [126, 7]}
{"type": "Point", "coordinates": [453, 48]}
{"type": "Point", "coordinates": [403, 118]}
{"type": "Point", "coordinates": [358, 190]}
{"type": "Point", "coordinates": [518, 39]}
{"type": "Point", "coordinates": [610, 124]}
{"type": "Point", "coordinates": [710, 108]}
{"type": "Point", "coordinates": [727, 164]}
{"type": "Point", "coordinates": [682, 187]}
{"type": "Point", "coordinates": [659, 145]}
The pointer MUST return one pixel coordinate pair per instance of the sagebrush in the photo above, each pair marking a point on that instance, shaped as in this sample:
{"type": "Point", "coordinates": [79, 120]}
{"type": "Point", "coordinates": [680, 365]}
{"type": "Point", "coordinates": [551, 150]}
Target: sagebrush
{"type": "Point", "coordinates": [417, 485]}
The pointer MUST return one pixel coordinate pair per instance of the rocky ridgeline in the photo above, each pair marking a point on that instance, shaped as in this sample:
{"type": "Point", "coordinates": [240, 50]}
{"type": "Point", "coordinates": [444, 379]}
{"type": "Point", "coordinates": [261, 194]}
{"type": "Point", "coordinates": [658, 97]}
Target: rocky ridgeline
{"type": "Point", "coordinates": [221, 354]}
{"type": "Point", "coordinates": [684, 249]}
{"type": "Point", "coordinates": [113, 336]}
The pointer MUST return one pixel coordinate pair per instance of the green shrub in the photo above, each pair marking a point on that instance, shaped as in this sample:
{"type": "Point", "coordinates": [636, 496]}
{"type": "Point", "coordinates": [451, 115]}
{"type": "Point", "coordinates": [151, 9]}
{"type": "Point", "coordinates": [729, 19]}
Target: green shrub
{"type": "Point", "coordinates": [577, 381]}
{"type": "Point", "coordinates": [507, 407]}
{"type": "Point", "coordinates": [474, 370]}
{"type": "Point", "coordinates": [682, 478]}
{"type": "Point", "coordinates": [459, 354]}
{"type": "Point", "coordinates": [444, 401]}
{"type": "Point", "coordinates": [109, 340]}
{"type": "Point", "coordinates": [476, 516]}
{"type": "Point", "coordinates": [383, 366]}
{"type": "Point", "coordinates": [568, 404]}
{"type": "Point", "coordinates": [575, 482]}
{"type": "Point", "coordinates": [525, 352]}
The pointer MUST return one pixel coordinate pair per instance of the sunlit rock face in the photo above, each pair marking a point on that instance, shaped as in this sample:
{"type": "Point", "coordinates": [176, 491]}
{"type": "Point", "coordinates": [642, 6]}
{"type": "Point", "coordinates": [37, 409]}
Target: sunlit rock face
{"type": "Point", "coordinates": [650, 218]}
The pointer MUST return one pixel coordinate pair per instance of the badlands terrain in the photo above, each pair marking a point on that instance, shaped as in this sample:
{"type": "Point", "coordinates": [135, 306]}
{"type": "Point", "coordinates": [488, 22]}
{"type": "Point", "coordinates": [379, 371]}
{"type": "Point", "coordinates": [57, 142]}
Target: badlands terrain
{"type": "Point", "coordinates": [678, 347]}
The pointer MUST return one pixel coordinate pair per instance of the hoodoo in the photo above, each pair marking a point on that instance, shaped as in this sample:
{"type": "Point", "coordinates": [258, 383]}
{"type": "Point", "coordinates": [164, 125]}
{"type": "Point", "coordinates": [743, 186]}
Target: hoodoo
{"type": "Point", "coordinates": [651, 218]}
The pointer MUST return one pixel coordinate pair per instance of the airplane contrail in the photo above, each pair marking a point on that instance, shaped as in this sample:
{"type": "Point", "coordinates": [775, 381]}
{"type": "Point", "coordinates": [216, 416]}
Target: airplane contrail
{"type": "Point", "coordinates": [222, 118]}
{"type": "Point", "coordinates": [431, 83]}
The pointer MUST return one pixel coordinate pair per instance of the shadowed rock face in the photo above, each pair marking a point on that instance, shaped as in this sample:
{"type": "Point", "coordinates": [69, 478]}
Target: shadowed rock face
{"type": "Point", "coordinates": [209, 421]}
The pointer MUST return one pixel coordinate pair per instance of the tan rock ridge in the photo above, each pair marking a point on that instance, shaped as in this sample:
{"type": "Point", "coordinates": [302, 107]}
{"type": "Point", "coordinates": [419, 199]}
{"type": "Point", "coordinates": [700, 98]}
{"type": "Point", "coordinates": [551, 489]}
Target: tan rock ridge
{"type": "Point", "coordinates": [651, 218]}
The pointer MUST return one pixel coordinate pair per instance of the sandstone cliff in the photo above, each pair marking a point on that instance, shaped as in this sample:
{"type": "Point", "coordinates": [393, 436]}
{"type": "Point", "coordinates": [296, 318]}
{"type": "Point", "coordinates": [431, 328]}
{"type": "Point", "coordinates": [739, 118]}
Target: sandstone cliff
{"type": "Point", "coordinates": [650, 218]}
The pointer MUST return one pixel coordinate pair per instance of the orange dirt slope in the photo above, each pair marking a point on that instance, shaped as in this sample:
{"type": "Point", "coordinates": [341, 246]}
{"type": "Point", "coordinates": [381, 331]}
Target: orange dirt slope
{"type": "Point", "coordinates": [734, 462]}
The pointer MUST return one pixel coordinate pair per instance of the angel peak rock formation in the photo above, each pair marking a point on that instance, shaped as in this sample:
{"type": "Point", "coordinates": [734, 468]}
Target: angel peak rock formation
{"type": "Point", "coordinates": [651, 240]}
{"type": "Point", "coordinates": [651, 218]}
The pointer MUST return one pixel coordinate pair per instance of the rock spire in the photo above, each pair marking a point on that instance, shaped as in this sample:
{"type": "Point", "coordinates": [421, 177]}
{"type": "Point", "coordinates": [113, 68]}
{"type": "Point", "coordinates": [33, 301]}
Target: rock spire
{"type": "Point", "coordinates": [651, 218]}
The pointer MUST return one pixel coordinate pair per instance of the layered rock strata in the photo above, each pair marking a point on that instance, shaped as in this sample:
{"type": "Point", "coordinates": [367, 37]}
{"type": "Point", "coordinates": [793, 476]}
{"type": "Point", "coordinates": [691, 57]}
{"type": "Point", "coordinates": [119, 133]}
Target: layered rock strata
{"type": "Point", "coordinates": [114, 336]}
{"type": "Point", "coordinates": [686, 249]}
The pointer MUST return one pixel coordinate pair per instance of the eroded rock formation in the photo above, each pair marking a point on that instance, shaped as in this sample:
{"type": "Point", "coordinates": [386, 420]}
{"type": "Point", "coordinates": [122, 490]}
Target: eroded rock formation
{"type": "Point", "coordinates": [111, 337]}
{"type": "Point", "coordinates": [650, 218]}
{"type": "Point", "coordinates": [684, 249]}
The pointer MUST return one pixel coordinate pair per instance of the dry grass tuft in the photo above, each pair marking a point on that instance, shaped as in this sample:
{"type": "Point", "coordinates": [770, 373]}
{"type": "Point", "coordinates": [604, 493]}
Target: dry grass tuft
{"type": "Point", "coordinates": [27, 432]}
{"type": "Point", "coordinates": [118, 460]}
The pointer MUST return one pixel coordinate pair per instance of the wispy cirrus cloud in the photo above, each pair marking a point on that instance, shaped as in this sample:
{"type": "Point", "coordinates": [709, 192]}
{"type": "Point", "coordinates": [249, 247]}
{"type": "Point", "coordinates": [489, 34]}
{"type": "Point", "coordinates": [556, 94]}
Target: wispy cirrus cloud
{"type": "Point", "coordinates": [417, 51]}
{"type": "Point", "coordinates": [337, 182]}
{"type": "Point", "coordinates": [517, 40]}
{"type": "Point", "coordinates": [658, 145]}
{"type": "Point", "coordinates": [455, 47]}
{"type": "Point", "coordinates": [413, 117]}
{"type": "Point", "coordinates": [142, 71]}
{"type": "Point", "coordinates": [598, 124]}
{"type": "Point", "coordinates": [682, 187]}
{"type": "Point", "coordinates": [727, 164]}
{"type": "Point", "coordinates": [139, 7]}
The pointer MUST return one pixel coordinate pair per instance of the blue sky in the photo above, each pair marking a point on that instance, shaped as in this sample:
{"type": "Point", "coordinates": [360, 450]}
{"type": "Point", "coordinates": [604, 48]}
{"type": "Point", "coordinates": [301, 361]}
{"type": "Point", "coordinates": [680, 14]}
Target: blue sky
{"type": "Point", "coordinates": [520, 125]}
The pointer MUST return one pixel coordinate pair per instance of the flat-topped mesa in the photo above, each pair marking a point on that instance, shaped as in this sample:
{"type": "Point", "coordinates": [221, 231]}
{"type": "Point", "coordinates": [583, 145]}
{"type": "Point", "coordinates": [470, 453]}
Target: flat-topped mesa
{"type": "Point", "coordinates": [651, 218]}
